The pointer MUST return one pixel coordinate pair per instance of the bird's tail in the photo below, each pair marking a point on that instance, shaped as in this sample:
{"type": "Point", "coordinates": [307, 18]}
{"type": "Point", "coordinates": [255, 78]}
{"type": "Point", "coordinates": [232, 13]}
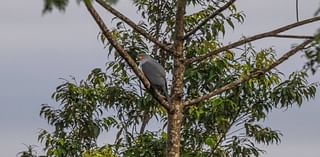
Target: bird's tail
{"type": "Point", "coordinates": [165, 91]}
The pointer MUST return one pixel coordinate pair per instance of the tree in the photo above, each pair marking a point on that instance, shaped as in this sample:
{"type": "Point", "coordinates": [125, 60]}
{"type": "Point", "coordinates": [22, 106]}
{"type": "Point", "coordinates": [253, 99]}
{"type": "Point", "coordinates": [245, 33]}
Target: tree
{"type": "Point", "coordinates": [219, 94]}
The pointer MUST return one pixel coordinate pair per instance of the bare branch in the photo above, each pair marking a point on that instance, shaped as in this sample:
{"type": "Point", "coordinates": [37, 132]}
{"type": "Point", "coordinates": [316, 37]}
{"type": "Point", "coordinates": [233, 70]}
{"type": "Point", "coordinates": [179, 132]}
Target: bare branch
{"type": "Point", "coordinates": [272, 33]}
{"type": "Point", "coordinates": [214, 14]}
{"type": "Point", "coordinates": [250, 76]}
{"type": "Point", "coordinates": [133, 25]}
{"type": "Point", "coordinates": [297, 10]}
{"type": "Point", "coordinates": [294, 36]}
{"type": "Point", "coordinates": [106, 32]}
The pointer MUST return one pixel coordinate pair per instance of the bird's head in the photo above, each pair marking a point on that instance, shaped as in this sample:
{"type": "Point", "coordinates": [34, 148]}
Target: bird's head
{"type": "Point", "coordinates": [142, 56]}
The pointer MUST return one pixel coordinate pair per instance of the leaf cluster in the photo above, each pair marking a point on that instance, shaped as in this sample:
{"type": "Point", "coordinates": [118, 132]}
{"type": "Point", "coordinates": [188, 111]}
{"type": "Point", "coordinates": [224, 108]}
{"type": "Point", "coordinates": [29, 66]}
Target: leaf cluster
{"type": "Point", "coordinates": [99, 103]}
{"type": "Point", "coordinates": [229, 123]}
{"type": "Point", "coordinates": [313, 55]}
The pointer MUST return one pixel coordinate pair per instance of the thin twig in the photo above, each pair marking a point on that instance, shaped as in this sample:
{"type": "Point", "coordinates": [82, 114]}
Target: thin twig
{"type": "Point", "coordinates": [253, 74]}
{"type": "Point", "coordinates": [237, 130]}
{"type": "Point", "coordinates": [297, 10]}
{"type": "Point", "coordinates": [124, 54]}
{"type": "Point", "coordinates": [252, 38]}
{"type": "Point", "coordinates": [214, 14]}
{"type": "Point", "coordinates": [133, 25]}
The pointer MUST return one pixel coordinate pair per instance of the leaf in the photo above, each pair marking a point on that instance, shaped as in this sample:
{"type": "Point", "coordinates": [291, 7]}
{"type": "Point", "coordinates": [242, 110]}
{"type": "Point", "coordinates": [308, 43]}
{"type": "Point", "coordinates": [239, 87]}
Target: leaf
{"type": "Point", "coordinates": [210, 142]}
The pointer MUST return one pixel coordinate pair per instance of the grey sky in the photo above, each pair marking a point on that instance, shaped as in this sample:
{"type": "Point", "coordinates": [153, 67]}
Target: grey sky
{"type": "Point", "coordinates": [36, 50]}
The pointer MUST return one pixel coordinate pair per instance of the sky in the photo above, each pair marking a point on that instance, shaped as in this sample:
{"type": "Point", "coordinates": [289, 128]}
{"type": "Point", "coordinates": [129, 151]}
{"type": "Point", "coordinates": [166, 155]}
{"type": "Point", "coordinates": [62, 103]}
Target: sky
{"type": "Point", "coordinates": [37, 50]}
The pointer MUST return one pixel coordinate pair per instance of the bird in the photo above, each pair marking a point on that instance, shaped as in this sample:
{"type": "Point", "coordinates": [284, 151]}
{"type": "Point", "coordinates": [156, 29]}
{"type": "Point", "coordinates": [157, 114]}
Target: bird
{"type": "Point", "coordinates": [154, 72]}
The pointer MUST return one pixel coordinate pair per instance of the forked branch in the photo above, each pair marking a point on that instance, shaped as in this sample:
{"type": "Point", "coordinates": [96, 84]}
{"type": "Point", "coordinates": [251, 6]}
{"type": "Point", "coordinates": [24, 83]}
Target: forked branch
{"type": "Point", "coordinates": [133, 25]}
{"type": "Point", "coordinates": [253, 74]}
{"type": "Point", "coordinates": [214, 14]}
{"type": "Point", "coordinates": [124, 54]}
{"type": "Point", "coordinates": [273, 33]}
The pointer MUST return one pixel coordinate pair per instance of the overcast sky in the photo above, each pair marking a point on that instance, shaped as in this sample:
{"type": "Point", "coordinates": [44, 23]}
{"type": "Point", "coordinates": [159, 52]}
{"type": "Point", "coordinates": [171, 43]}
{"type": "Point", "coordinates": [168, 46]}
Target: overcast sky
{"type": "Point", "coordinates": [37, 50]}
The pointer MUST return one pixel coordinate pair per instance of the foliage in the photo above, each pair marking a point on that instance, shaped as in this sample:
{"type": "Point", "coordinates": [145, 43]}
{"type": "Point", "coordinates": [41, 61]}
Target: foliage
{"type": "Point", "coordinates": [215, 123]}
{"type": "Point", "coordinates": [313, 55]}
{"type": "Point", "coordinates": [147, 144]}
{"type": "Point", "coordinates": [113, 100]}
{"type": "Point", "coordinates": [76, 124]}
{"type": "Point", "coordinates": [80, 119]}
{"type": "Point", "coordinates": [61, 5]}
{"type": "Point", "coordinates": [100, 152]}
{"type": "Point", "coordinates": [30, 152]}
{"type": "Point", "coordinates": [50, 4]}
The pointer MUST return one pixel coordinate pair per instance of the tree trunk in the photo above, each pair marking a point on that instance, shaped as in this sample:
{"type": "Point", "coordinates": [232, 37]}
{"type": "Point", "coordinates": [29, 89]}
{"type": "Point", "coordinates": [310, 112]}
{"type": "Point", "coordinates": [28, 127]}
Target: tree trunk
{"type": "Point", "coordinates": [174, 126]}
{"type": "Point", "coordinates": [175, 115]}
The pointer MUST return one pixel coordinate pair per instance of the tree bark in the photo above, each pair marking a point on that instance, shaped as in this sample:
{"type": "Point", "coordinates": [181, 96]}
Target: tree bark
{"type": "Point", "coordinates": [174, 126]}
{"type": "Point", "coordinates": [175, 115]}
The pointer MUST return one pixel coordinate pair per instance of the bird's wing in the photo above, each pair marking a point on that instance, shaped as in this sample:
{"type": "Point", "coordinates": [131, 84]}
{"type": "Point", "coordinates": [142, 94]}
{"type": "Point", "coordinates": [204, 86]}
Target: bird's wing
{"type": "Point", "coordinates": [154, 73]}
{"type": "Point", "coordinates": [158, 67]}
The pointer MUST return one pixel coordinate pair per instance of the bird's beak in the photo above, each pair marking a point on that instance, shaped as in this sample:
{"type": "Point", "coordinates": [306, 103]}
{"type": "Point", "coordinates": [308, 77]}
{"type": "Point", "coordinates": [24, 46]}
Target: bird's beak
{"type": "Point", "coordinates": [139, 58]}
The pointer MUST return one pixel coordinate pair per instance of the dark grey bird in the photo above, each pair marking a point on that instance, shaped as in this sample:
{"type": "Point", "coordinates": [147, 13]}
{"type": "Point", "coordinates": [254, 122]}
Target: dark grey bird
{"type": "Point", "coordinates": [154, 72]}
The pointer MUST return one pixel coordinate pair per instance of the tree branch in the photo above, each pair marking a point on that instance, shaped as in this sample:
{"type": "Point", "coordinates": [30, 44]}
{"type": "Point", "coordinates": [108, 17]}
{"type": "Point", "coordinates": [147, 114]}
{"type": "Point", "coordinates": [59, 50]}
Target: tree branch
{"type": "Point", "coordinates": [294, 36]}
{"type": "Point", "coordinates": [133, 25]}
{"type": "Point", "coordinates": [214, 14]}
{"type": "Point", "coordinates": [106, 32]}
{"type": "Point", "coordinates": [253, 74]}
{"type": "Point", "coordinates": [297, 10]}
{"type": "Point", "coordinates": [273, 33]}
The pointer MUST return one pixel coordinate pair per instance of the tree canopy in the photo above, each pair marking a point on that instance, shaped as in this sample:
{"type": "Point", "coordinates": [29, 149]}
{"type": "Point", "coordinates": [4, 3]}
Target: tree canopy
{"type": "Point", "coordinates": [220, 93]}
